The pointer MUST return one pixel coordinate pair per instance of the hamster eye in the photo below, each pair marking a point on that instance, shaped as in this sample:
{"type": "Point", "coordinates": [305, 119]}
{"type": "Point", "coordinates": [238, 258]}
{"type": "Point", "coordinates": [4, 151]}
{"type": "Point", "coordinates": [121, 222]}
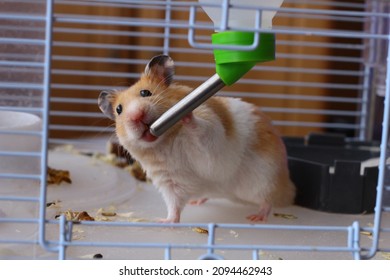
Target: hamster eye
{"type": "Point", "coordinates": [145, 93]}
{"type": "Point", "coordinates": [119, 109]}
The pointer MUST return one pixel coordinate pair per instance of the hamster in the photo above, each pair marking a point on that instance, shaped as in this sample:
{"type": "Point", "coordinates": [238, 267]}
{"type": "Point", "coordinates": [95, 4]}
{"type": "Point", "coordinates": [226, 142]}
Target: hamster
{"type": "Point", "coordinates": [225, 148]}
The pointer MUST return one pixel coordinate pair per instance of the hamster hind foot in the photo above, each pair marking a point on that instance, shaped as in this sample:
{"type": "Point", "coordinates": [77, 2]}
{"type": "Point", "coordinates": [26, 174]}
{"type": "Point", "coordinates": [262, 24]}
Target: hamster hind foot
{"type": "Point", "coordinates": [262, 215]}
{"type": "Point", "coordinates": [198, 201]}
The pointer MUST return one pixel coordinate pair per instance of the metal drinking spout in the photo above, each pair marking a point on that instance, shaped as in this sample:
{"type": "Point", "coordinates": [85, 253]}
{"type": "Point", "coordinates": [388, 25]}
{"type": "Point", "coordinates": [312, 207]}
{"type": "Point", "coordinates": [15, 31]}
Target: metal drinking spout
{"type": "Point", "coordinates": [187, 105]}
{"type": "Point", "coordinates": [231, 65]}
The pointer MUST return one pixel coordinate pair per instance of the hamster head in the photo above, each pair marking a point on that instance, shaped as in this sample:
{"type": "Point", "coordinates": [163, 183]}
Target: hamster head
{"type": "Point", "coordinates": [137, 107]}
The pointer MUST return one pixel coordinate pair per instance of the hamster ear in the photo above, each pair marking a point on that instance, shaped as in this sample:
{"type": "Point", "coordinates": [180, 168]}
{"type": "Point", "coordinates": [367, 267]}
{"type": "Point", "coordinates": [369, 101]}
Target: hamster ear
{"type": "Point", "coordinates": [105, 101]}
{"type": "Point", "coordinates": [162, 68]}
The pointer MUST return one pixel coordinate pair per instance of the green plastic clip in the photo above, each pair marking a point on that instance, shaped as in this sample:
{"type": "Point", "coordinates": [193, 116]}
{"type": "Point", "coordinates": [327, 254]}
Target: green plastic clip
{"type": "Point", "coordinates": [231, 65]}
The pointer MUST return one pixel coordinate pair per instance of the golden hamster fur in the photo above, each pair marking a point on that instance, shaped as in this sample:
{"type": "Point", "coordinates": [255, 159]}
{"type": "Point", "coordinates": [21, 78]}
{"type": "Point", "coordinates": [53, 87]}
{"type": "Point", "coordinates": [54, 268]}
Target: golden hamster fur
{"type": "Point", "coordinates": [226, 148]}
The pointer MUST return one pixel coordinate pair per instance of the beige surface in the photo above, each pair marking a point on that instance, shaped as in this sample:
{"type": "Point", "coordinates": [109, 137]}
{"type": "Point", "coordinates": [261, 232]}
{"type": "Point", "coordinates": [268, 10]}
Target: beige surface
{"type": "Point", "coordinates": [98, 186]}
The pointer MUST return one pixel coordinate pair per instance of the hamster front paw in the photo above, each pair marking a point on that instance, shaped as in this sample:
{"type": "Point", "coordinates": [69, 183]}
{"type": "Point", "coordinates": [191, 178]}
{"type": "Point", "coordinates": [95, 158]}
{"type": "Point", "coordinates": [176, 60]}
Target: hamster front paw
{"type": "Point", "coordinates": [187, 119]}
{"type": "Point", "coordinates": [168, 220]}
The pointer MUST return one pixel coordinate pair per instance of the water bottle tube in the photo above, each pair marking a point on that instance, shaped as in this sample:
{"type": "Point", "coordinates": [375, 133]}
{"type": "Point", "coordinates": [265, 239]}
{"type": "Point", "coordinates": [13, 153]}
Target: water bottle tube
{"type": "Point", "coordinates": [231, 65]}
{"type": "Point", "coordinates": [186, 105]}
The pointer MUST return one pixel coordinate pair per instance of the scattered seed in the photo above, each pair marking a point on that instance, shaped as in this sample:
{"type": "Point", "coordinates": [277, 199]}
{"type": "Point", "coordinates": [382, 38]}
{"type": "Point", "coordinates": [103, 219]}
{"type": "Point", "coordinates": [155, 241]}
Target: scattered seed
{"type": "Point", "coordinates": [97, 256]}
{"type": "Point", "coordinates": [385, 255]}
{"type": "Point", "coordinates": [108, 214]}
{"type": "Point", "coordinates": [233, 233]}
{"type": "Point", "coordinates": [84, 216]}
{"type": "Point", "coordinates": [285, 216]}
{"type": "Point", "coordinates": [56, 176]}
{"type": "Point", "coordinates": [368, 233]}
{"type": "Point", "coordinates": [55, 203]}
{"type": "Point", "coordinates": [200, 230]}
{"type": "Point", "coordinates": [77, 216]}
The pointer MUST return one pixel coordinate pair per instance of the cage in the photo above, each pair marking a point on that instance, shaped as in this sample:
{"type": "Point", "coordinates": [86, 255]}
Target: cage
{"type": "Point", "coordinates": [327, 92]}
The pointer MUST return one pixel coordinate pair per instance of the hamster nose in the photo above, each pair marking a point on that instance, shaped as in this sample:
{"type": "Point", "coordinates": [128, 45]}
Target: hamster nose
{"type": "Point", "coordinates": [137, 116]}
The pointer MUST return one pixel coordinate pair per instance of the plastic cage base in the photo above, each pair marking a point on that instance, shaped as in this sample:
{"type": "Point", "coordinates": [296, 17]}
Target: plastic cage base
{"type": "Point", "coordinates": [328, 173]}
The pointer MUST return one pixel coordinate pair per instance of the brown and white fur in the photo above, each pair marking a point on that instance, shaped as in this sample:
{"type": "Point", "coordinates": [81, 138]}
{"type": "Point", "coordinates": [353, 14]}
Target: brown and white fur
{"type": "Point", "coordinates": [226, 148]}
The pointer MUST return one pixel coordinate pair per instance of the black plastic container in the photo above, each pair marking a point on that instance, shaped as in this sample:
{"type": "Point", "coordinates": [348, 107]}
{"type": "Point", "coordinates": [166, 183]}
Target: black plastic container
{"type": "Point", "coordinates": [326, 170]}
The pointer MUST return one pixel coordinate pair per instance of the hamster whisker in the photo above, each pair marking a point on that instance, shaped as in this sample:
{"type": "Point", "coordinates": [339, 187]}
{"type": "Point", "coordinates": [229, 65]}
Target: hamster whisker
{"type": "Point", "coordinates": [160, 100]}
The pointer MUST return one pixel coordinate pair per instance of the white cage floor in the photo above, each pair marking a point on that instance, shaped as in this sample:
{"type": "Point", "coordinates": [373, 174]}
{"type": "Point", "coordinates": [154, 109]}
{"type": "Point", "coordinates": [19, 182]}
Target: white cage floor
{"type": "Point", "coordinates": [100, 188]}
